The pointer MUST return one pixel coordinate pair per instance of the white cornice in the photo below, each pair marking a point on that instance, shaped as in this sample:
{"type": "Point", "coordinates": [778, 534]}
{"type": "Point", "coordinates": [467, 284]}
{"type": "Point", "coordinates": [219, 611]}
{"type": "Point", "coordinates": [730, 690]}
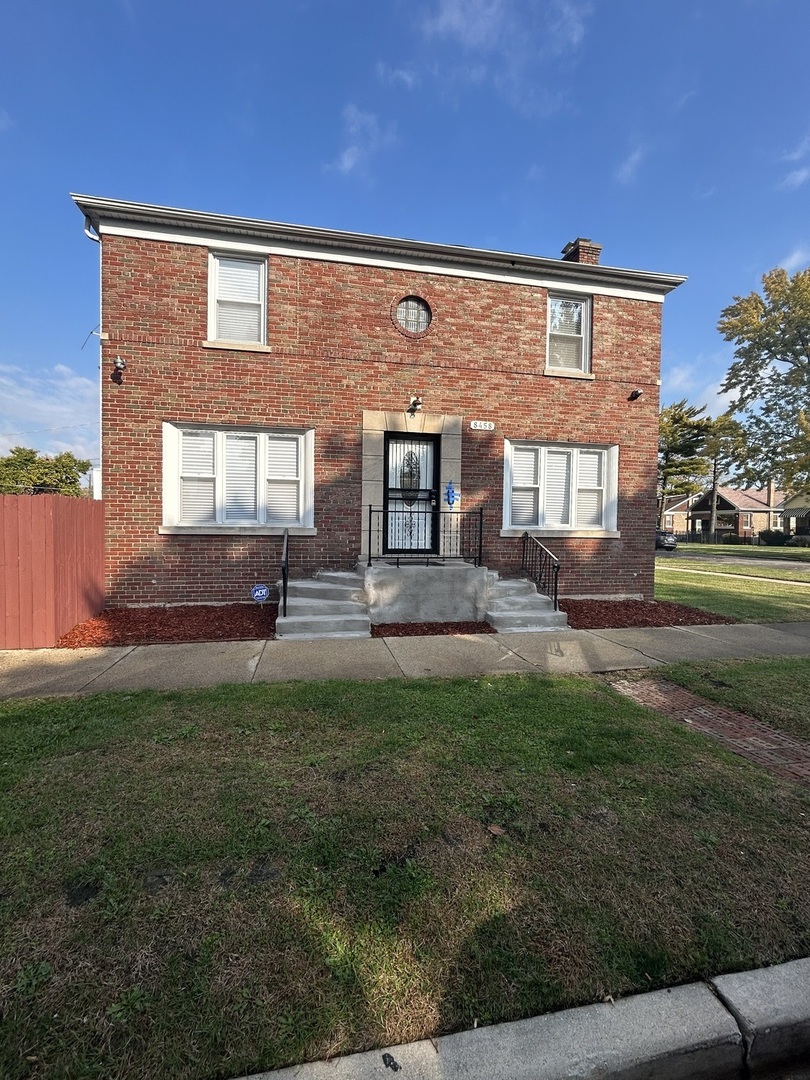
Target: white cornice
{"type": "Point", "coordinates": [169, 225]}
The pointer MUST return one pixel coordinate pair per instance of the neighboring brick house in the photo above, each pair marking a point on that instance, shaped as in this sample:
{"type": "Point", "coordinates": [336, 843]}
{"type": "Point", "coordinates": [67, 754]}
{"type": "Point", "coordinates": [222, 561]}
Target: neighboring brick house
{"type": "Point", "coordinates": [270, 371]}
{"type": "Point", "coordinates": [740, 511]}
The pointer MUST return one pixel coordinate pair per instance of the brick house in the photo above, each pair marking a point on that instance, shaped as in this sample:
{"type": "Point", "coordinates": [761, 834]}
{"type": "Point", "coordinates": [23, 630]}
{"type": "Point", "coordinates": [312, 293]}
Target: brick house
{"type": "Point", "coordinates": [743, 512]}
{"type": "Point", "coordinates": [347, 388]}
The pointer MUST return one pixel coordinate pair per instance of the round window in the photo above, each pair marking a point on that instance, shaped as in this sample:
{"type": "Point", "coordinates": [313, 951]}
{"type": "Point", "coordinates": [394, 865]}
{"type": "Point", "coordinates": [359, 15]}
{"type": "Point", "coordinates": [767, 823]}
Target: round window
{"type": "Point", "coordinates": [413, 314]}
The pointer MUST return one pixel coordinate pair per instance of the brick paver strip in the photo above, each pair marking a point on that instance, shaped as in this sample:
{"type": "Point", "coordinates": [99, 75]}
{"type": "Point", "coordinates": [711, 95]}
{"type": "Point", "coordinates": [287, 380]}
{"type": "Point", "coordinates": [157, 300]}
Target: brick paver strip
{"type": "Point", "coordinates": [784, 755]}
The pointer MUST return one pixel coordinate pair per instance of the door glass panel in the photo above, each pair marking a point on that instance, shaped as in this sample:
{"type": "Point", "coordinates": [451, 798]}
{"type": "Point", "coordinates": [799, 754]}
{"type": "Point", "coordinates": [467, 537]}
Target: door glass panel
{"type": "Point", "coordinates": [410, 479]}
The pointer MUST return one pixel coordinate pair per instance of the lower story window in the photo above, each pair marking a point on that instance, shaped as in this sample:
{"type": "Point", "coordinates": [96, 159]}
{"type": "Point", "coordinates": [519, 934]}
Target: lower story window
{"type": "Point", "coordinates": [223, 477]}
{"type": "Point", "coordinates": [560, 487]}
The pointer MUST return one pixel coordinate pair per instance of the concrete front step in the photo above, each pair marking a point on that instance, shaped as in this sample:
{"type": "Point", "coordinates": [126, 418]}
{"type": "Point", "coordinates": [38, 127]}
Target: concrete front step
{"type": "Point", "coordinates": [317, 589]}
{"type": "Point", "coordinates": [322, 626]}
{"type": "Point", "coordinates": [515, 606]}
{"type": "Point", "coordinates": [329, 606]}
{"type": "Point", "coordinates": [527, 621]}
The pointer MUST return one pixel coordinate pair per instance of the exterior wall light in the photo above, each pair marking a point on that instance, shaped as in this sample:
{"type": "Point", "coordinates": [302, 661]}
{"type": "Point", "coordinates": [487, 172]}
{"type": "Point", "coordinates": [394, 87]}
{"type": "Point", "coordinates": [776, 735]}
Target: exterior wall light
{"type": "Point", "coordinates": [119, 367]}
{"type": "Point", "coordinates": [635, 395]}
{"type": "Point", "coordinates": [415, 406]}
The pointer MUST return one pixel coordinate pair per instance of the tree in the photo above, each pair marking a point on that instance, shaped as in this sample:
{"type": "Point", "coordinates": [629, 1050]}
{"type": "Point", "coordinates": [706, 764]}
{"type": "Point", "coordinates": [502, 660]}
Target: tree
{"type": "Point", "coordinates": [725, 448]}
{"type": "Point", "coordinates": [25, 472]}
{"type": "Point", "coordinates": [771, 376]}
{"type": "Point", "coordinates": [682, 434]}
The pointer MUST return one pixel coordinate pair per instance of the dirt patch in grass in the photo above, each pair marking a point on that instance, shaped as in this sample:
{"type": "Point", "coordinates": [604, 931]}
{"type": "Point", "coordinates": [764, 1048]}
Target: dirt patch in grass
{"type": "Point", "coordinates": [245, 622]}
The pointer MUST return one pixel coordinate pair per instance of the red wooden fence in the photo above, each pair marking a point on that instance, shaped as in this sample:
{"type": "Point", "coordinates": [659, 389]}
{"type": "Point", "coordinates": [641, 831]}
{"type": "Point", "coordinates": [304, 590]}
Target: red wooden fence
{"type": "Point", "coordinates": [51, 567]}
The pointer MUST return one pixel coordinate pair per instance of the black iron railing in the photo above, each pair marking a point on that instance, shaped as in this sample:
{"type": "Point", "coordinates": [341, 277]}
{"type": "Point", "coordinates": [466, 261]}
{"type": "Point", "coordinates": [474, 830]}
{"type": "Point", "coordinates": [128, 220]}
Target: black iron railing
{"type": "Point", "coordinates": [425, 536]}
{"type": "Point", "coordinates": [285, 571]}
{"type": "Point", "coordinates": [541, 566]}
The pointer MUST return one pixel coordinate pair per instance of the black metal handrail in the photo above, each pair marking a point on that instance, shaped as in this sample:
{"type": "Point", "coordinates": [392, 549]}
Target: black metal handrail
{"type": "Point", "coordinates": [541, 566]}
{"type": "Point", "coordinates": [285, 571]}
{"type": "Point", "coordinates": [416, 535]}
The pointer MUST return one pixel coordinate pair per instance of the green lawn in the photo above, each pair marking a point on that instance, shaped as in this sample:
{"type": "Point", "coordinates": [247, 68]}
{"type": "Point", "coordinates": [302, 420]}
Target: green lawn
{"type": "Point", "coordinates": [765, 600]}
{"type": "Point", "coordinates": [744, 551]}
{"type": "Point", "coordinates": [740, 567]}
{"type": "Point", "coordinates": [775, 691]}
{"type": "Point", "coordinates": [211, 883]}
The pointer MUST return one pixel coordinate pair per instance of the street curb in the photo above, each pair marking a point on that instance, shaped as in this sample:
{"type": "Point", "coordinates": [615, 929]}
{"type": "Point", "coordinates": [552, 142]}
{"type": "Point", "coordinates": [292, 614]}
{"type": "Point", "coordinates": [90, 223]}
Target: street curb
{"type": "Point", "coordinates": [754, 1025]}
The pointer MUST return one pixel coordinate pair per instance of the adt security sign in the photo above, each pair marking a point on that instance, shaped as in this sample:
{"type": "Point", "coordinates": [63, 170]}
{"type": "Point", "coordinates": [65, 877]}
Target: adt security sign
{"type": "Point", "coordinates": [260, 593]}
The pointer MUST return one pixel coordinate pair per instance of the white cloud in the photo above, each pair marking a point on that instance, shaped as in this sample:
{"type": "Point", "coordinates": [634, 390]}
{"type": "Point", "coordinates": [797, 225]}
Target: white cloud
{"type": "Point", "coordinates": [801, 151]}
{"type": "Point", "coordinates": [397, 76]}
{"type": "Point", "coordinates": [627, 171]}
{"type": "Point", "coordinates": [5, 121]}
{"type": "Point", "coordinates": [795, 179]}
{"type": "Point", "coordinates": [798, 259]}
{"type": "Point", "coordinates": [475, 24]}
{"type": "Point", "coordinates": [365, 136]}
{"type": "Point", "coordinates": [51, 410]}
{"type": "Point", "coordinates": [516, 42]}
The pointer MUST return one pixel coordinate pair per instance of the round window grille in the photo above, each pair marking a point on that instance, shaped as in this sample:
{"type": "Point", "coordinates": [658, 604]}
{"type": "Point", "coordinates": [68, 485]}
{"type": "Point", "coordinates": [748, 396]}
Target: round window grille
{"type": "Point", "coordinates": [413, 314]}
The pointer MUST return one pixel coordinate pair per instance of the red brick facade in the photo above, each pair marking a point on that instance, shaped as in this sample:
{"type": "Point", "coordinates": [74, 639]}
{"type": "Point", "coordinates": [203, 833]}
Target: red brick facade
{"type": "Point", "coordinates": [337, 350]}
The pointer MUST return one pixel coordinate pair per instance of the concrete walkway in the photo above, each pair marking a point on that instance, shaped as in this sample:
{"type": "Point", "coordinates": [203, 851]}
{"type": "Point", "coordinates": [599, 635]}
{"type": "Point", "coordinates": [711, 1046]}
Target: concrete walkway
{"type": "Point", "coordinates": [47, 672]}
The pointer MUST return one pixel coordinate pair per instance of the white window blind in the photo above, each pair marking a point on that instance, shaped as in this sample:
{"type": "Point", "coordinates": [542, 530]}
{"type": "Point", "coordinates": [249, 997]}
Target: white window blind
{"type": "Point", "coordinates": [197, 478]}
{"type": "Point", "coordinates": [559, 487]}
{"type": "Point", "coordinates": [240, 307]}
{"type": "Point", "coordinates": [237, 478]}
{"type": "Point", "coordinates": [590, 497]}
{"type": "Point", "coordinates": [283, 487]}
{"type": "Point", "coordinates": [567, 333]}
{"type": "Point", "coordinates": [241, 503]}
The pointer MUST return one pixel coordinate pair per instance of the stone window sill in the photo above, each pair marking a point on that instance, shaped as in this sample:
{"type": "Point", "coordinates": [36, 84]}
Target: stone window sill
{"type": "Point", "coordinates": [237, 346]}
{"type": "Point", "coordinates": [564, 373]}
{"type": "Point", "coordinates": [595, 534]}
{"type": "Point", "coordinates": [234, 530]}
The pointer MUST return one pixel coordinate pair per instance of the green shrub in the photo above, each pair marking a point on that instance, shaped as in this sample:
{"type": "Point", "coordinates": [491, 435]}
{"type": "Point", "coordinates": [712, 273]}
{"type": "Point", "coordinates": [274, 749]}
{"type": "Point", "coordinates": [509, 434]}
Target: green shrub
{"type": "Point", "coordinates": [799, 541]}
{"type": "Point", "coordinates": [773, 537]}
{"type": "Point", "coordinates": [732, 538]}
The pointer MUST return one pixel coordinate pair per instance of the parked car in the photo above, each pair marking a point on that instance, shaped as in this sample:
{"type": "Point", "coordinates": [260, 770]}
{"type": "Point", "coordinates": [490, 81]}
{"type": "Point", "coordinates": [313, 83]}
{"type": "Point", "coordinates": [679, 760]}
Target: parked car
{"type": "Point", "coordinates": [665, 539]}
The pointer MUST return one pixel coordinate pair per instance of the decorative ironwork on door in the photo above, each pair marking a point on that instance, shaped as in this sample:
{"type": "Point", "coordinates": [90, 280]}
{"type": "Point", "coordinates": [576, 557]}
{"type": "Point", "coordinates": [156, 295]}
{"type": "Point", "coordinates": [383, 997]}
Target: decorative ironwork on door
{"type": "Point", "coordinates": [411, 496]}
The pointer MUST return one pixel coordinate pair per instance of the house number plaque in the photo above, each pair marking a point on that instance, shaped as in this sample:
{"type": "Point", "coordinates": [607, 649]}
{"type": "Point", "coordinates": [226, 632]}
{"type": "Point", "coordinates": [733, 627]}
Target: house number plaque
{"type": "Point", "coordinates": [482, 425]}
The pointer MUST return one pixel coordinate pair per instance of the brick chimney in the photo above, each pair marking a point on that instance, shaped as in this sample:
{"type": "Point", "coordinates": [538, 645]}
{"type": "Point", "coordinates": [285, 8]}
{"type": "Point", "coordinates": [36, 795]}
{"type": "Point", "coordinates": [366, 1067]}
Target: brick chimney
{"type": "Point", "coordinates": [582, 251]}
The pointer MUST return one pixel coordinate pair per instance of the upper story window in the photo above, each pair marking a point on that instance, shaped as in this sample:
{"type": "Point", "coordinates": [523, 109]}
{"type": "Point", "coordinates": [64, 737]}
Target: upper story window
{"type": "Point", "coordinates": [569, 321]}
{"type": "Point", "coordinates": [237, 308]}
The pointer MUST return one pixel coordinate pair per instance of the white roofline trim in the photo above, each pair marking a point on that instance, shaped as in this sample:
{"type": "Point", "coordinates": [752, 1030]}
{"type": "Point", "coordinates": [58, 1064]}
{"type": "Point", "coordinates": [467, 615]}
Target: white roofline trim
{"type": "Point", "coordinates": [215, 242]}
{"type": "Point", "coordinates": [143, 218]}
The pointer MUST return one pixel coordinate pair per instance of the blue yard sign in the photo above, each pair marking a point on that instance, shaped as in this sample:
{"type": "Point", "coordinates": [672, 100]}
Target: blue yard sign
{"type": "Point", "coordinates": [260, 593]}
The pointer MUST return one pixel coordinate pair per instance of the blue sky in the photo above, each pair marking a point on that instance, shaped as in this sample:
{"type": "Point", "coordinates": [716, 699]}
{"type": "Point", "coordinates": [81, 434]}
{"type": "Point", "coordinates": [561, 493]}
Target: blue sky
{"type": "Point", "coordinates": [675, 134]}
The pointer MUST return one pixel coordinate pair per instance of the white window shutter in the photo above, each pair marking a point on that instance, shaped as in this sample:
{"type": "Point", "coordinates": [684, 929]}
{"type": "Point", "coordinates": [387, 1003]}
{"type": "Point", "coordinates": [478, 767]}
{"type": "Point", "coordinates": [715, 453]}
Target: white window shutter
{"type": "Point", "coordinates": [240, 478]}
{"type": "Point", "coordinates": [524, 507]}
{"type": "Point", "coordinates": [589, 494]}
{"type": "Point", "coordinates": [197, 482]}
{"type": "Point", "coordinates": [283, 480]}
{"type": "Point", "coordinates": [557, 488]}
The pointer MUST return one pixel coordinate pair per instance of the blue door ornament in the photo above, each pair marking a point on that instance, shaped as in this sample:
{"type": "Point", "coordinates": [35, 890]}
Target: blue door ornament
{"type": "Point", "coordinates": [450, 495]}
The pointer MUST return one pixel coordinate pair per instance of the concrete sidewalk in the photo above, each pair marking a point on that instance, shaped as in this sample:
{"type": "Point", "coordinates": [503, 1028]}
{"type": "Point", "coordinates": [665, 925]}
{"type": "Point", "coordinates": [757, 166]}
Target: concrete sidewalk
{"type": "Point", "coordinates": [45, 672]}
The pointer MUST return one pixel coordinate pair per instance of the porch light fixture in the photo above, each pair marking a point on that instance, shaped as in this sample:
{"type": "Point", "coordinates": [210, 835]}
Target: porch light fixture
{"type": "Point", "coordinates": [635, 395]}
{"type": "Point", "coordinates": [119, 367]}
{"type": "Point", "coordinates": [415, 406]}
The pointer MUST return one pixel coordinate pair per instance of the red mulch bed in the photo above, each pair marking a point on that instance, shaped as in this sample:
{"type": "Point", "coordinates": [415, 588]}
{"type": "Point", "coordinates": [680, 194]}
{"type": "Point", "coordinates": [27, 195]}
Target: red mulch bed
{"type": "Point", "coordinates": [614, 614]}
{"type": "Point", "coordinates": [244, 622]}
{"type": "Point", "coordinates": [160, 625]}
